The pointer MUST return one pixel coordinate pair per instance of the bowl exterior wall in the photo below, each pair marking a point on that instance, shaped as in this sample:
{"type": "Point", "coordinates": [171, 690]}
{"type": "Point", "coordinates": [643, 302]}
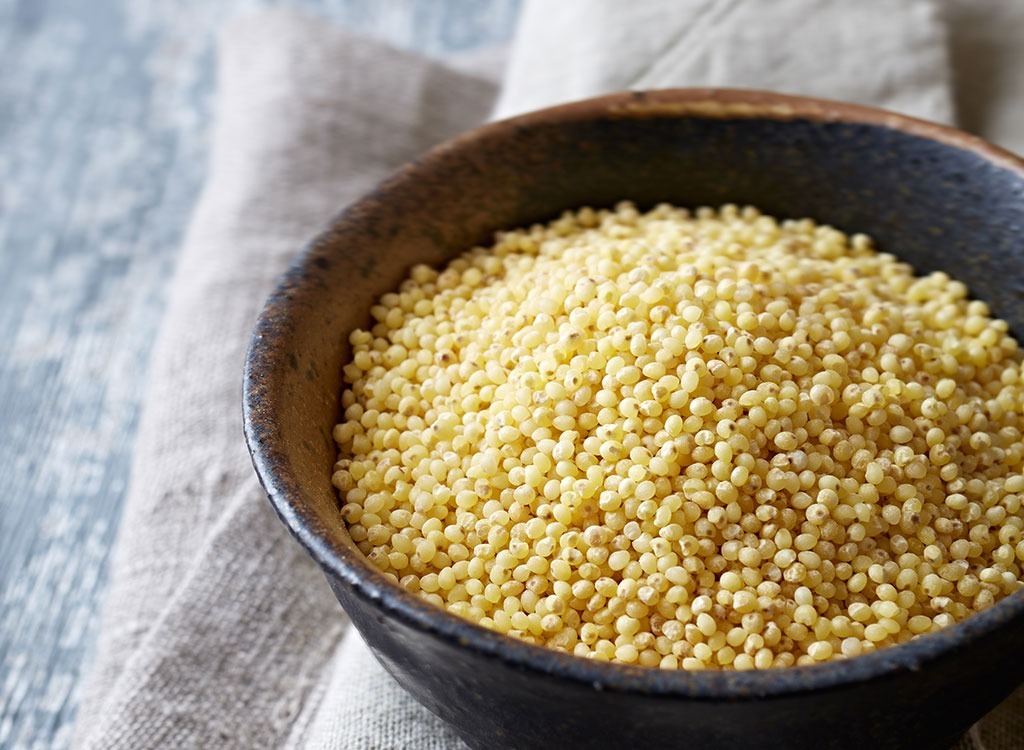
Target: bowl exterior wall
{"type": "Point", "coordinates": [497, 706]}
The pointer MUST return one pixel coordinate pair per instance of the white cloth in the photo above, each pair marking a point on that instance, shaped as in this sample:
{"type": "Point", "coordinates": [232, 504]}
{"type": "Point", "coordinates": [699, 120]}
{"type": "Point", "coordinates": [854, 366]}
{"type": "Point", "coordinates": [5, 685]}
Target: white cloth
{"type": "Point", "coordinates": [886, 54]}
{"type": "Point", "coordinates": [218, 630]}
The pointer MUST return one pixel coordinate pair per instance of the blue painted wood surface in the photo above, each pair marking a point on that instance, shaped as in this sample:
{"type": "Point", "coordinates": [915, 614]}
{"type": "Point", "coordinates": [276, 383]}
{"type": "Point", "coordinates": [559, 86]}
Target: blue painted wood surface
{"type": "Point", "coordinates": [104, 114]}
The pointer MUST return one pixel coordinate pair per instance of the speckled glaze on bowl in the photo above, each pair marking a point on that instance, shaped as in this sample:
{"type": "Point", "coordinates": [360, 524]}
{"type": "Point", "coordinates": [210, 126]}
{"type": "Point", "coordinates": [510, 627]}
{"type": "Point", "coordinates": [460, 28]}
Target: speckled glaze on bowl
{"type": "Point", "coordinates": [934, 196]}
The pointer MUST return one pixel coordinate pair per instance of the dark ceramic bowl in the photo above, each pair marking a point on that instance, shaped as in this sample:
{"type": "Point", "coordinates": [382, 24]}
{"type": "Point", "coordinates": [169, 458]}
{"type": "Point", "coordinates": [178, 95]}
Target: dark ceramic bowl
{"type": "Point", "coordinates": [934, 196]}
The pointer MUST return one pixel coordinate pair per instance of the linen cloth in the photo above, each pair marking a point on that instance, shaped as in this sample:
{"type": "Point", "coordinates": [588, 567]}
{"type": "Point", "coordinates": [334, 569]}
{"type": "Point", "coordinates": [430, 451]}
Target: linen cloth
{"type": "Point", "coordinates": [219, 632]}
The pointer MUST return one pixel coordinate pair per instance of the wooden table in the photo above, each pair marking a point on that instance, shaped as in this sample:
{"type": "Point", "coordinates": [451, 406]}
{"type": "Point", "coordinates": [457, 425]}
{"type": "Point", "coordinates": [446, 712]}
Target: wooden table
{"type": "Point", "coordinates": [105, 108]}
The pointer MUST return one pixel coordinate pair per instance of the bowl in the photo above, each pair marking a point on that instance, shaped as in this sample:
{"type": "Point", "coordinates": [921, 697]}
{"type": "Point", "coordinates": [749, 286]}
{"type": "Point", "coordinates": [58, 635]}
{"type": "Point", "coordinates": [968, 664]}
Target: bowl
{"type": "Point", "coordinates": [935, 197]}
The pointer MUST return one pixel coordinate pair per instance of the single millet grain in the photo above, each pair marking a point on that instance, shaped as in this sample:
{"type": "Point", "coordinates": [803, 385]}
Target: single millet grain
{"type": "Point", "coordinates": [690, 440]}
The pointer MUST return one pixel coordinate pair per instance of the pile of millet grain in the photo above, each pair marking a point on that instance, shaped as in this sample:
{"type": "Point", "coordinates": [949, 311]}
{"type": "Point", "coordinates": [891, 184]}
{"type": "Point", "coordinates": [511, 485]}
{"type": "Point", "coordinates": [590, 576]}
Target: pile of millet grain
{"type": "Point", "coordinates": [687, 439]}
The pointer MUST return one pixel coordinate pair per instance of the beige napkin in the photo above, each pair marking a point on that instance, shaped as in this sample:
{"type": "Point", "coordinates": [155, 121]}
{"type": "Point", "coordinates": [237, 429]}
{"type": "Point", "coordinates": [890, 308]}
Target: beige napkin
{"type": "Point", "coordinates": [217, 625]}
{"type": "Point", "coordinates": [218, 631]}
{"type": "Point", "coordinates": [886, 54]}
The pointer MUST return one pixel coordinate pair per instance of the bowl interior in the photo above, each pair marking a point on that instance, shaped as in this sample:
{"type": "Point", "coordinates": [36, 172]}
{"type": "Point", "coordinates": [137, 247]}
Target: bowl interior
{"type": "Point", "coordinates": [931, 196]}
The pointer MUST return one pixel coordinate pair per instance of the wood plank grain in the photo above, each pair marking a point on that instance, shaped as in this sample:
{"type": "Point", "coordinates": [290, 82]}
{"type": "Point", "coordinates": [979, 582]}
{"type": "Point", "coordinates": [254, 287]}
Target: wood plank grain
{"type": "Point", "coordinates": [104, 108]}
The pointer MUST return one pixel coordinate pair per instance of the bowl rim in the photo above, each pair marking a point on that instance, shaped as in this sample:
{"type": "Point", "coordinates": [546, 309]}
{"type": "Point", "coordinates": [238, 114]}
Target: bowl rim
{"type": "Point", "coordinates": [369, 584]}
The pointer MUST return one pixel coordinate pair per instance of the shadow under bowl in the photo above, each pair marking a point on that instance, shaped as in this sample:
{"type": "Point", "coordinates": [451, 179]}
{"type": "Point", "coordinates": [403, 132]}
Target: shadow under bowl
{"type": "Point", "coordinates": [933, 196]}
